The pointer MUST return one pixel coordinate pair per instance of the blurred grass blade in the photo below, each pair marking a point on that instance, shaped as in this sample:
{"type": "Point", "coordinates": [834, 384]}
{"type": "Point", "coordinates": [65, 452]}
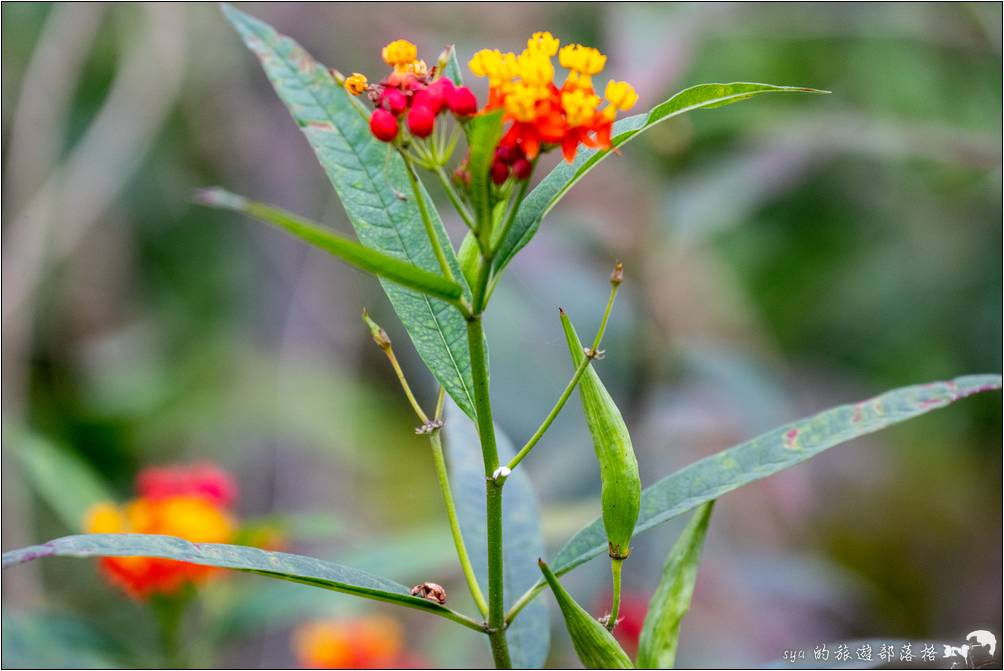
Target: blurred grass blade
{"type": "Point", "coordinates": [550, 190]}
{"type": "Point", "coordinates": [66, 483]}
{"type": "Point", "coordinates": [774, 451]}
{"type": "Point", "coordinates": [372, 183]}
{"type": "Point", "coordinates": [530, 636]}
{"type": "Point", "coordinates": [295, 568]}
{"type": "Point", "coordinates": [671, 601]}
{"type": "Point", "coordinates": [483, 134]}
{"type": "Point", "coordinates": [596, 647]}
{"type": "Point", "coordinates": [350, 251]}
{"type": "Point", "coordinates": [39, 639]}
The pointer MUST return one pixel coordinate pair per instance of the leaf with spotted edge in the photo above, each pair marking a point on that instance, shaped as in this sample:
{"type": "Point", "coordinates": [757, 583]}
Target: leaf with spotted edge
{"type": "Point", "coordinates": [372, 183]}
{"type": "Point", "coordinates": [774, 451]}
{"type": "Point", "coordinates": [529, 637]}
{"type": "Point", "coordinates": [550, 190]}
{"type": "Point", "coordinates": [295, 568]}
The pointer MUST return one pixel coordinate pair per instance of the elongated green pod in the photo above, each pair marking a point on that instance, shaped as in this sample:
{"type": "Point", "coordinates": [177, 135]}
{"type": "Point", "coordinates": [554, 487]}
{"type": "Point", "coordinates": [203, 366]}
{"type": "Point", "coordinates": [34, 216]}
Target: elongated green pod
{"type": "Point", "coordinates": [595, 646]}
{"type": "Point", "coordinates": [621, 484]}
{"type": "Point", "coordinates": [671, 601]}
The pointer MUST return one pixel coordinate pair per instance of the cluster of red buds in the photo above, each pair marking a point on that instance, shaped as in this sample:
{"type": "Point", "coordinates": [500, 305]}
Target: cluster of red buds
{"type": "Point", "coordinates": [510, 160]}
{"type": "Point", "coordinates": [413, 92]}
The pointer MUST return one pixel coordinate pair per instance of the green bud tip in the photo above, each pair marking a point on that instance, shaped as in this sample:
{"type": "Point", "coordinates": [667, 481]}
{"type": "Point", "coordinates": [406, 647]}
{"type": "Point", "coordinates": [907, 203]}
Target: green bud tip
{"type": "Point", "coordinates": [379, 335]}
{"type": "Point", "coordinates": [617, 276]}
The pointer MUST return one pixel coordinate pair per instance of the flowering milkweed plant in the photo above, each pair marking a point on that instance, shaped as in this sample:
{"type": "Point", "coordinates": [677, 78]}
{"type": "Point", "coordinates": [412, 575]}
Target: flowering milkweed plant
{"type": "Point", "coordinates": [378, 139]}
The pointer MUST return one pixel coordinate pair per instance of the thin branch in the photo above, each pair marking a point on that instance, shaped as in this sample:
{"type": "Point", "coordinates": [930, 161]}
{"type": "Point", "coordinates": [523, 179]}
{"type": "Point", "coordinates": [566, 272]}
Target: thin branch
{"type": "Point", "coordinates": [591, 354]}
{"type": "Point", "coordinates": [451, 193]}
{"type": "Point", "coordinates": [430, 231]}
{"type": "Point", "coordinates": [451, 513]}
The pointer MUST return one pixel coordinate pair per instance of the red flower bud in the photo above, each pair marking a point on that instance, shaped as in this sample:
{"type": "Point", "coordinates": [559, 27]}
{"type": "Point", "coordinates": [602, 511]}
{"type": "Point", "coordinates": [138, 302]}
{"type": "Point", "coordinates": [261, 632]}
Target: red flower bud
{"type": "Point", "coordinates": [383, 125]}
{"type": "Point", "coordinates": [443, 85]}
{"type": "Point", "coordinates": [505, 153]}
{"type": "Point", "coordinates": [394, 100]}
{"type": "Point", "coordinates": [500, 172]}
{"type": "Point", "coordinates": [421, 119]}
{"type": "Point", "coordinates": [427, 97]}
{"type": "Point", "coordinates": [522, 168]}
{"type": "Point", "coordinates": [462, 101]}
{"type": "Point", "coordinates": [441, 90]}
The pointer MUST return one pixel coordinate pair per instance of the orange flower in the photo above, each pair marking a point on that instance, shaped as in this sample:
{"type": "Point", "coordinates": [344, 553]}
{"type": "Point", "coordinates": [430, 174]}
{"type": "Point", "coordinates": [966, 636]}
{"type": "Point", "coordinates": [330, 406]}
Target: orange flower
{"type": "Point", "coordinates": [541, 115]}
{"type": "Point", "coordinates": [362, 643]}
{"type": "Point", "coordinates": [187, 502]}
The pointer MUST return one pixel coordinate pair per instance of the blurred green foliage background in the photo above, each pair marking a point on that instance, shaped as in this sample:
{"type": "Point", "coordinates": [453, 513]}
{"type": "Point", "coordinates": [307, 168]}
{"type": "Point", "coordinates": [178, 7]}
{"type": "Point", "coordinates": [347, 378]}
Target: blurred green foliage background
{"type": "Point", "coordinates": [783, 256]}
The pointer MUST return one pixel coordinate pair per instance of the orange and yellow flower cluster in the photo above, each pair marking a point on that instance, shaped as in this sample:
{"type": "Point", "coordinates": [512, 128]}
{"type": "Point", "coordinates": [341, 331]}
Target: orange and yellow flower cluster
{"type": "Point", "coordinates": [542, 115]}
{"type": "Point", "coordinates": [361, 643]}
{"type": "Point", "coordinates": [190, 502]}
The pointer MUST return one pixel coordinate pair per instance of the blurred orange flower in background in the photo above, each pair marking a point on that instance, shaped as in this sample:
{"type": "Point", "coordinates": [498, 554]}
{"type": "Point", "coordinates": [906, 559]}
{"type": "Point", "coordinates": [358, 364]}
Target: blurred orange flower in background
{"type": "Point", "coordinates": [190, 502]}
{"type": "Point", "coordinates": [359, 643]}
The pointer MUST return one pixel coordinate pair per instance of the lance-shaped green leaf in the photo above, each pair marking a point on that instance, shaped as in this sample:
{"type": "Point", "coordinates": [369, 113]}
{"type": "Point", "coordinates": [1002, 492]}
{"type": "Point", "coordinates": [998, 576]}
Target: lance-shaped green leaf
{"type": "Point", "coordinates": [366, 259]}
{"type": "Point", "coordinates": [530, 638]}
{"type": "Point", "coordinates": [295, 568]}
{"type": "Point", "coordinates": [483, 134]}
{"type": "Point", "coordinates": [774, 451]}
{"type": "Point", "coordinates": [550, 190]}
{"type": "Point", "coordinates": [596, 647]}
{"type": "Point", "coordinates": [60, 478]}
{"type": "Point", "coordinates": [671, 601]}
{"type": "Point", "coordinates": [372, 183]}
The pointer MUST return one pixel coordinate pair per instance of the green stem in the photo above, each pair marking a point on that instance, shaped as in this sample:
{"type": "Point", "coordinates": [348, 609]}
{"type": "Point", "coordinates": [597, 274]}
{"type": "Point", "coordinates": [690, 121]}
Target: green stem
{"type": "Point", "coordinates": [493, 491]}
{"type": "Point", "coordinates": [615, 606]}
{"type": "Point", "coordinates": [480, 289]}
{"type": "Point", "coordinates": [594, 350]}
{"type": "Point", "coordinates": [482, 402]}
{"type": "Point", "coordinates": [451, 193]}
{"type": "Point", "coordinates": [522, 602]}
{"type": "Point", "coordinates": [576, 376]}
{"type": "Point", "coordinates": [169, 612]}
{"type": "Point", "coordinates": [451, 513]}
{"type": "Point", "coordinates": [422, 417]}
{"type": "Point", "coordinates": [426, 220]}
{"type": "Point", "coordinates": [496, 604]}
{"type": "Point", "coordinates": [546, 424]}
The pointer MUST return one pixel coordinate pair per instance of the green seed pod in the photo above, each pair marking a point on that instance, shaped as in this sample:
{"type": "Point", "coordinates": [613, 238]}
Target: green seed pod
{"type": "Point", "coordinates": [621, 484]}
{"type": "Point", "coordinates": [595, 646]}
